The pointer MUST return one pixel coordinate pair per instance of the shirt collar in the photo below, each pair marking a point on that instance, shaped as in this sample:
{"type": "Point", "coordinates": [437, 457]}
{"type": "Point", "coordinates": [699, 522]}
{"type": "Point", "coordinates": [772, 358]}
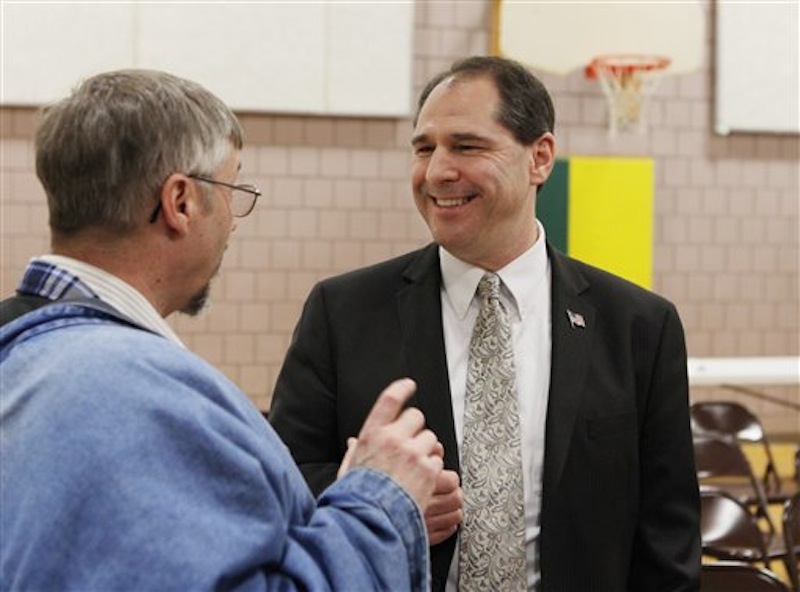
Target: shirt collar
{"type": "Point", "coordinates": [47, 280]}
{"type": "Point", "coordinates": [520, 278]}
{"type": "Point", "coordinates": [112, 290]}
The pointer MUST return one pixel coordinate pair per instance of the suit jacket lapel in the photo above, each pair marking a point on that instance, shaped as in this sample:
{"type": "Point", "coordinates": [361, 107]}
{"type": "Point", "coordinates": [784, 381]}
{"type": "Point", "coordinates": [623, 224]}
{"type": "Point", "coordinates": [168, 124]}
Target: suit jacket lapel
{"type": "Point", "coordinates": [573, 322]}
{"type": "Point", "coordinates": [420, 312]}
{"type": "Point", "coordinates": [419, 309]}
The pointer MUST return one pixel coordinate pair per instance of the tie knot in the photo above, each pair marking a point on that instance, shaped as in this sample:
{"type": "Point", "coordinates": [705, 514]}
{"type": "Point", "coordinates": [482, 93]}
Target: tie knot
{"type": "Point", "coordinates": [489, 286]}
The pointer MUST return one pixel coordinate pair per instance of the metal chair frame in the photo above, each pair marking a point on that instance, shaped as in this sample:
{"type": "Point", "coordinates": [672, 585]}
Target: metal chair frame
{"type": "Point", "coordinates": [728, 530]}
{"type": "Point", "coordinates": [732, 576]}
{"type": "Point", "coordinates": [721, 464]}
{"type": "Point", "coordinates": [737, 421]}
{"type": "Point", "coordinates": [791, 535]}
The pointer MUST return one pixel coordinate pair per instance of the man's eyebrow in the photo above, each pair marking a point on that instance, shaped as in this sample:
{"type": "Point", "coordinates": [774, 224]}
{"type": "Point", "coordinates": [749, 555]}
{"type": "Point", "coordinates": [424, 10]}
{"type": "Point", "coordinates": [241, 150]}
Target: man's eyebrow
{"type": "Point", "coordinates": [456, 137]}
{"type": "Point", "coordinates": [419, 139]}
{"type": "Point", "coordinates": [468, 137]}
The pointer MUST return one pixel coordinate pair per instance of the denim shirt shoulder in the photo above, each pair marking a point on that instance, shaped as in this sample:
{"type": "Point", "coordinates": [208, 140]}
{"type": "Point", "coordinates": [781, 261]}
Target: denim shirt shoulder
{"type": "Point", "coordinates": [57, 315]}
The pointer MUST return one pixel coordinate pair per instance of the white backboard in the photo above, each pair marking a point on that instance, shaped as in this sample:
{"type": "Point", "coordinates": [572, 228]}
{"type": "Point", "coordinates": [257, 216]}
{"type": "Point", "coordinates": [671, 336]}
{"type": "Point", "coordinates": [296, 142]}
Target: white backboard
{"type": "Point", "coordinates": [560, 37]}
{"type": "Point", "coordinates": [757, 74]}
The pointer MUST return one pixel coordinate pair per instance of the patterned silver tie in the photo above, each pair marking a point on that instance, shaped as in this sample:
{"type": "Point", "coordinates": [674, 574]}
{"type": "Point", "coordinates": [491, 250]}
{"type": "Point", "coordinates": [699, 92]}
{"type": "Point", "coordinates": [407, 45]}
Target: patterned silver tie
{"type": "Point", "coordinates": [492, 551]}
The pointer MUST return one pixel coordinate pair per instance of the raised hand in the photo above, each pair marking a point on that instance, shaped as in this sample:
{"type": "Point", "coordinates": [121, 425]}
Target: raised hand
{"type": "Point", "coordinates": [395, 441]}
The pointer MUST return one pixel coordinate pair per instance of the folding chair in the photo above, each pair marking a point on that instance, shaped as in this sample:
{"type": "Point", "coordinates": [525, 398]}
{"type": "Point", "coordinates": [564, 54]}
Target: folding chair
{"type": "Point", "coordinates": [725, 576]}
{"type": "Point", "coordinates": [721, 464]}
{"type": "Point", "coordinates": [723, 467]}
{"type": "Point", "coordinates": [735, 420]}
{"type": "Point", "coordinates": [791, 534]}
{"type": "Point", "coordinates": [728, 530]}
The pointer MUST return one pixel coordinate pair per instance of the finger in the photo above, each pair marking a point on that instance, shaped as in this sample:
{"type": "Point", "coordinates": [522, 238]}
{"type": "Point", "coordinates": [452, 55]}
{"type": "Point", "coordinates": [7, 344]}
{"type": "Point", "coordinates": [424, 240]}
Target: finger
{"type": "Point", "coordinates": [443, 522]}
{"type": "Point", "coordinates": [410, 422]}
{"type": "Point", "coordinates": [442, 526]}
{"type": "Point", "coordinates": [424, 443]}
{"type": "Point", "coordinates": [348, 456]}
{"type": "Point", "coordinates": [444, 503]}
{"type": "Point", "coordinates": [440, 535]}
{"type": "Point", "coordinates": [389, 404]}
{"type": "Point", "coordinates": [437, 464]}
{"type": "Point", "coordinates": [447, 481]}
{"type": "Point", "coordinates": [434, 538]}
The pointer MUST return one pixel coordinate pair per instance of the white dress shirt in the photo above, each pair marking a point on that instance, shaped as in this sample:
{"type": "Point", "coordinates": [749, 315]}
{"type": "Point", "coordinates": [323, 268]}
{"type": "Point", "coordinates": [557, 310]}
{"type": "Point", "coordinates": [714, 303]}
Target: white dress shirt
{"type": "Point", "coordinates": [525, 292]}
{"type": "Point", "coordinates": [118, 293]}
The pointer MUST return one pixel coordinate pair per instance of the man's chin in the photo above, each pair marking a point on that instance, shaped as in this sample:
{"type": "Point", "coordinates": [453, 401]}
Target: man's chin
{"type": "Point", "coordinates": [197, 303]}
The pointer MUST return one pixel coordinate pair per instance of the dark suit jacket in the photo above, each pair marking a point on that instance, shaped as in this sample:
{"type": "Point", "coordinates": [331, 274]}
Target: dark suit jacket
{"type": "Point", "coordinates": [620, 506]}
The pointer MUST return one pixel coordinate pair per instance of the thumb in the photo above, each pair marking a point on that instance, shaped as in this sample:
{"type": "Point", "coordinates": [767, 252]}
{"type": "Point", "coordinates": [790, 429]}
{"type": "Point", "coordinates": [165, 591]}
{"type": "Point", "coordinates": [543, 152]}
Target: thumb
{"type": "Point", "coordinates": [389, 404]}
{"type": "Point", "coordinates": [348, 457]}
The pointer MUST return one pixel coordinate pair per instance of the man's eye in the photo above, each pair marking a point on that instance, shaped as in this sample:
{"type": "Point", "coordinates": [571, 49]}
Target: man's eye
{"type": "Point", "coordinates": [466, 147]}
{"type": "Point", "coordinates": [422, 150]}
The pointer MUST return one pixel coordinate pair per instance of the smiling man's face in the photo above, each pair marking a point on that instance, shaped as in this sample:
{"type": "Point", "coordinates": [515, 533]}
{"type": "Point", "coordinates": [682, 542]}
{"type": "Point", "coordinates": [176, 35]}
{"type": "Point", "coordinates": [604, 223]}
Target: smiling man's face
{"type": "Point", "coordinates": [472, 181]}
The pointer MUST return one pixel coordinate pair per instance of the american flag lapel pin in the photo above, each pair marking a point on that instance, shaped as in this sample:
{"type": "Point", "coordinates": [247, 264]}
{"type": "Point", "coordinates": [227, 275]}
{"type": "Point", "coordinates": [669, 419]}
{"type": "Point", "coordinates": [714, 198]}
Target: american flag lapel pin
{"type": "Point", "coordinates": [576, 319]}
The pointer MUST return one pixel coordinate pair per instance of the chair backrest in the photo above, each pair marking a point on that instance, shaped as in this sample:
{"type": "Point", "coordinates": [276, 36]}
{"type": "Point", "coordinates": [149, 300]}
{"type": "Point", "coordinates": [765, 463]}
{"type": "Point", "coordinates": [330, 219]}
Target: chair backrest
{"type": "Point", "coordinates": [735, 420]}
{"type": "Point", "coordinates": [721, 462]}
{"type": "Point", "coordinates": [726, 576]}
{"type": "Point", "coordinates": [728, 530]}
{"type": "Point", "coordinates": [791, 534]}
{"type": "Point", "coordinates": [719, 456]}
{"type": "Point", "coordinates": [726, 417]}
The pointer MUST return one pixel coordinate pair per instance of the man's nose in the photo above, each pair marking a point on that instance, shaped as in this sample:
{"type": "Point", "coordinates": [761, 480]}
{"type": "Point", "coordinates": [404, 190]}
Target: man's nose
{"type": "Point", "coordinates": [442, 167]}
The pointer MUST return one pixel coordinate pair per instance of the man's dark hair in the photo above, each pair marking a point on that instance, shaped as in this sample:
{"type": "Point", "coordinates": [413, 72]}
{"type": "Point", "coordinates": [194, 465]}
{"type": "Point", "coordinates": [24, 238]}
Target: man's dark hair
{"type": "Point", "coordinates": [526, 109]}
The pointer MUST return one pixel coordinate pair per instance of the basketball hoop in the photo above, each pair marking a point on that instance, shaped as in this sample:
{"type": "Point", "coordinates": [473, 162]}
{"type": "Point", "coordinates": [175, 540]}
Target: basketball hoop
{"type": "Point", "coordinates": [627, 81]}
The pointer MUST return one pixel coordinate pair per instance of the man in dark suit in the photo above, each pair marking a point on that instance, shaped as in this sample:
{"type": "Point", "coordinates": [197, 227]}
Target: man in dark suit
{"type": "Point", "coordinates": [611, 498]}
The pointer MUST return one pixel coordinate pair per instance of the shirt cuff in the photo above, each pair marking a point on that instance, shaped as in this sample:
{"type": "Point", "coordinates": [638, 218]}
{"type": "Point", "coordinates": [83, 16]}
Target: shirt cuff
{"type": "Point", "coordinates": [402, 510]}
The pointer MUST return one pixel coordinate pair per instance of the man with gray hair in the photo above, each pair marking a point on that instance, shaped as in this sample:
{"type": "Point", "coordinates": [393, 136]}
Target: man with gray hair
{"type": "Point", "coordinates": [128, 462]}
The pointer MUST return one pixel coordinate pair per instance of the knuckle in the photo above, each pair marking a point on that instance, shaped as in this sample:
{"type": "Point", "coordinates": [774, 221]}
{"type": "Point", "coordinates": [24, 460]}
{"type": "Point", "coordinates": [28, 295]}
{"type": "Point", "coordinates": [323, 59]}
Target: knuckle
{"type": "Point", "coordinates": [414, 415]}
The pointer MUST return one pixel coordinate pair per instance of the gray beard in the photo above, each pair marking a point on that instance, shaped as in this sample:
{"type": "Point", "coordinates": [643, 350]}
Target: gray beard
{"type": "Point", "coordinates": [197, 303]}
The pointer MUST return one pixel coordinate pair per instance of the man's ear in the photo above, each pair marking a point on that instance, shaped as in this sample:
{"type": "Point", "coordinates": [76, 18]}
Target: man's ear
{"type": "Point", "coordinates": [543, 158]}
{"type": "Point", "coordinates": [178, 197]}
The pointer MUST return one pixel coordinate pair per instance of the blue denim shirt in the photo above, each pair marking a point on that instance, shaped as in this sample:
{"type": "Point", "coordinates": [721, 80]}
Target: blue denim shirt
{"type": "Point", "coordinates": [131, 464]}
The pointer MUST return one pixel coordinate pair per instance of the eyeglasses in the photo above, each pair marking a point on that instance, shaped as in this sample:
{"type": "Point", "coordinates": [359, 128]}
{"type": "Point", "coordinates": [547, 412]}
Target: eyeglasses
{"type": "Point", "coordinates": [243, 197]}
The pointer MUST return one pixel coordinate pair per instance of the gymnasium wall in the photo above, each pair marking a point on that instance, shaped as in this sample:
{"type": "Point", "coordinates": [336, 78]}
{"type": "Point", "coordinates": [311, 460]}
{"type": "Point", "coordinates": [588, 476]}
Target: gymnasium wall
{"type": "Point", "coordinates": [336, 196]}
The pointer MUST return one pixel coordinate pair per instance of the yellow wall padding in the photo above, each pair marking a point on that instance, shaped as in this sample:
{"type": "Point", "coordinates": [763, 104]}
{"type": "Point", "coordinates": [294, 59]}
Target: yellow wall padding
{"type": "Point", "coordinates": [610, 215]}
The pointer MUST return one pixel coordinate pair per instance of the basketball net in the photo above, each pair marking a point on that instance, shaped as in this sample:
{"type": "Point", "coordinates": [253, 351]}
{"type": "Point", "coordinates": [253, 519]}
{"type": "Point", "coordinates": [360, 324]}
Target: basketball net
{"type": "Point", "coordinates": [627, 81]}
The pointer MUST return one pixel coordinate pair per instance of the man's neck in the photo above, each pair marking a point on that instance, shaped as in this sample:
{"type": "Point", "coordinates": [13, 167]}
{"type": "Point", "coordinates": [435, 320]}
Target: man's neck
{"type": "Point", "coordinates": [127, 258]}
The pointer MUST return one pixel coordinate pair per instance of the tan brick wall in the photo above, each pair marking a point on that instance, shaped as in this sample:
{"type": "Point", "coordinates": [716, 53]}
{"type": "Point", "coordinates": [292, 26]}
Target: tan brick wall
{"type": "Point", "coordinates": [336, 196]}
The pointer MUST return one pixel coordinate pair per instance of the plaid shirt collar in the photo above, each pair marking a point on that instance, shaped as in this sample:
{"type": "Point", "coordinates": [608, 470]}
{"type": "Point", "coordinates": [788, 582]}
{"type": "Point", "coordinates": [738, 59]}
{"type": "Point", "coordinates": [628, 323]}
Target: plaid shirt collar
{"type": "Point", "coordinates": [52, 282]}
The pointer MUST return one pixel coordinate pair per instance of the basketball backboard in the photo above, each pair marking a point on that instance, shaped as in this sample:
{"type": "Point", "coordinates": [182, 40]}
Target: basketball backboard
{"type": "Point", "coordinates": [627, 46]}
{"type": "Point", "coordinates": [560, 37]}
